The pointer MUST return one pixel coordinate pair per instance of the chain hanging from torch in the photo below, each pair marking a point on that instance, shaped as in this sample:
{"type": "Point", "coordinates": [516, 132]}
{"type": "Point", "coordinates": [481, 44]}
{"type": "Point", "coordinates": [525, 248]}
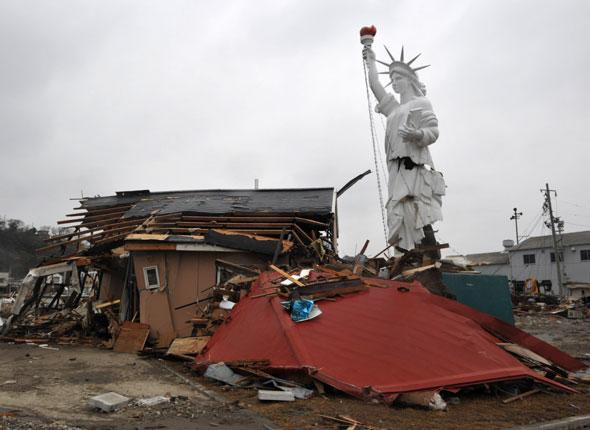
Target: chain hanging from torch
{"type": "Point", "coordinates": [367, 35]}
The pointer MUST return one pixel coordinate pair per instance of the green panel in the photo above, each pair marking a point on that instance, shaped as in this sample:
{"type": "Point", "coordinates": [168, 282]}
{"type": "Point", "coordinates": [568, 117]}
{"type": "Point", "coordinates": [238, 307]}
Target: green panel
{"type": "Point", "coordinates": [486, 293]}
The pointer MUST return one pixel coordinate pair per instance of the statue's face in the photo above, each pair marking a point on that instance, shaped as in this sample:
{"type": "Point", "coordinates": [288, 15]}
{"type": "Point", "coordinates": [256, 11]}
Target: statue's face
{"type": "Point", "coordinates": [400, 83]}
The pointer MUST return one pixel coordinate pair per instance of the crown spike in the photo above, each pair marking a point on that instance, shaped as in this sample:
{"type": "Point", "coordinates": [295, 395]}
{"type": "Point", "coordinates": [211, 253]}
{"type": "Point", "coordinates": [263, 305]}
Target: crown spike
{"type": "Point", "coordinates": [420, 68]}
{"type": "Point", "coordinates": [401, 55]}
{"type": "Point", "coordinates": [389, 53]}
{"type": "Point", "coordinates": [413, 59]}
{"type": "Point", "coordinates": [390, 82]}
{"type": "Point", "coordinates": [385, 64]}
{"type": "Point", "coordinates": [383, 73]}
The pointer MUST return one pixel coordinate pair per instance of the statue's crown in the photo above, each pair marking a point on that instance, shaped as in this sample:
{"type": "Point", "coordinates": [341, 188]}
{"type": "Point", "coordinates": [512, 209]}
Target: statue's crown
{"type": "Point", "coordinates": [400, 66]}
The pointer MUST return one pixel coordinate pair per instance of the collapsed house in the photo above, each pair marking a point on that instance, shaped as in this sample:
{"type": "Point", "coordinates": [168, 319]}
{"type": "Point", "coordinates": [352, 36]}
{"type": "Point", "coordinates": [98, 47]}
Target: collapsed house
{"type": "Point", "coordinates": [158, 255]}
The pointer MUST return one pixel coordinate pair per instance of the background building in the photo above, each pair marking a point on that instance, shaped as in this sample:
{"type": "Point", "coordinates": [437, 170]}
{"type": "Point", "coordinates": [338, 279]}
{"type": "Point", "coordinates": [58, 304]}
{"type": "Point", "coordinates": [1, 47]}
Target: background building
{"type": "Point", "coordinates": [535, 258]}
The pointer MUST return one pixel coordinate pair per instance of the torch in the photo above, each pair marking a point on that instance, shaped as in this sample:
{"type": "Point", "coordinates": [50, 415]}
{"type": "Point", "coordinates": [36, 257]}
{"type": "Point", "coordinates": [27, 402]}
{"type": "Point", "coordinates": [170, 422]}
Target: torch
{"type": "Point", "coordinates": [367, 35]}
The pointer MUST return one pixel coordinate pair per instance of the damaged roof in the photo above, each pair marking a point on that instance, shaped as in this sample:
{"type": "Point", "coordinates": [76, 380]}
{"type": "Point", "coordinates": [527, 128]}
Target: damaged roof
{"type": "Point", "coordinates": [398, 338]}
{"type": "Point", "coordinates": [319, 201]}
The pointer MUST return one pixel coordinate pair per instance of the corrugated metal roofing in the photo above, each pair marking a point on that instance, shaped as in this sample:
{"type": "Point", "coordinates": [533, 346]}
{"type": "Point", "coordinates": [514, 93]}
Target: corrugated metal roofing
{"type": "Point", "coordinates": [568, 239]}
{"type": "Point", "coordinates": [380, 342]}
{"type": "Point", "coordinates": [317, 201]}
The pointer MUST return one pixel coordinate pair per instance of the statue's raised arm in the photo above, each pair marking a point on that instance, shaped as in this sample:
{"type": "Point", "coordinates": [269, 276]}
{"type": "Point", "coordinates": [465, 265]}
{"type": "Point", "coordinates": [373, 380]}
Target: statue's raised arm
{"type": "Point", "coordinates": [376, 87]}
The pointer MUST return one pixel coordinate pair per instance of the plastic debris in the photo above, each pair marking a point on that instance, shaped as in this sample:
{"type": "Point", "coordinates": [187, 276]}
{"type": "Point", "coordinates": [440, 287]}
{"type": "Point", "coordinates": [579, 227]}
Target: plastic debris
{"type": "Point", "coordinates": [276, 396]}
{"type": "Point", "coordinates": [220, 372]}
{"type": "Point", "coordinates": [302, 309]}
{"type": "Point", "coordinates": [226, 304]}
{"type": "Point", "coordinates": [153, 401]}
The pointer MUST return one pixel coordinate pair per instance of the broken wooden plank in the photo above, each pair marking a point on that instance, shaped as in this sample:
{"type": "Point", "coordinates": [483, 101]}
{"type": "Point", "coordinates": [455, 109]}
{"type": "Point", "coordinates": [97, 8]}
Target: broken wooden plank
{"type": "Point", "coordinates": [357, 268]}
{"type": "Point", "coordinates": [410, 272]}
{"type": "Point", "coordinates": [270, 293]}
{"type": "Point", "coordinates": [237, 267]}
{"type": "Point", "coordinates": [331, 288]}
{"type": "Point", "coordinates": [188, 345]}
{"type": "Point", "coordinates": [521, 396]}
{"type": "Point", "coordinates": [286, 275]}
{"type": "Point", "coordinates": [524, 353]}
{"type": "Point", "coordinates": [132, 337]}
{"type": "Point", "coordinates": [247, 242]}
{"type": "Point", "coordinates": [107, 304]}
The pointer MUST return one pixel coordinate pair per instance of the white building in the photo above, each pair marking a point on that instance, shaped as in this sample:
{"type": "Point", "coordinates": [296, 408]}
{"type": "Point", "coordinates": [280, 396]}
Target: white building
{"type": "Point", "coordinates": [490, 263]}
{"type": "Point", "coordinates": [4, 279]}
{"type": "Point", "coordinates": [535, 257]}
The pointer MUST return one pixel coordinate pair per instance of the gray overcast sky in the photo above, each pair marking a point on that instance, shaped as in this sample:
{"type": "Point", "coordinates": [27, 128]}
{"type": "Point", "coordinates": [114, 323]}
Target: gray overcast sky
{"type": "Point", "coordinates": [102, 96]}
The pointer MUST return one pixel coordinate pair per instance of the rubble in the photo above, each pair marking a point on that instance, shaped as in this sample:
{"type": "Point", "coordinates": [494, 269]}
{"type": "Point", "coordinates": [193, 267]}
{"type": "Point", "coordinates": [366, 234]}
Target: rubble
{"type": "Point", "coordinates": [108, 402]}
{"type": "Point", "coordinates": [261, 300]}
{"type": "Point", "coordinates": [276, 396]}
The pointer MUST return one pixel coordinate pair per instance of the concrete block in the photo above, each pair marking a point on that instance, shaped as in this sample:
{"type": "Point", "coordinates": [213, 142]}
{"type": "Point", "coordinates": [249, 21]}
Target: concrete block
{"type": "Point", "coordinates": [276, 396]}
{"type": "Point", "coordinates": [108, 402]}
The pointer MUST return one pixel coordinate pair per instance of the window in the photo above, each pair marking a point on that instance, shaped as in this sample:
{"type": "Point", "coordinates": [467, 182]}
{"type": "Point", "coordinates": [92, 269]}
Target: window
{"type": "Point", "coordinates": [546, 284]}
{"type": "Point", "coordinates": [585, 254]}
{"type": "Point", "coordinates": [518, 287]}
{"type": "Point", "coordinates": [553, 257]}
{"type": "Point", "coordinates": [151, 277]}
{"type": "Point", "coordinates": [529, 258]}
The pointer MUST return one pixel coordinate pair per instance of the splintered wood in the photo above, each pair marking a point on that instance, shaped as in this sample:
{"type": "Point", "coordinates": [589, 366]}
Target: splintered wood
{"type": "Point", "coordinates": [132, 337]}
{"type": "Point", "coordinates": [188, 345]}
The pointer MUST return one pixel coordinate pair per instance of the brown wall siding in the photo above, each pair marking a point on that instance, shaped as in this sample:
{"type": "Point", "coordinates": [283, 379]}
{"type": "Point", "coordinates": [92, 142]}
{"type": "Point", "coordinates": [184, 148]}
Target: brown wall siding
{"type": "Point", "coordinates": [111, 286]}
{"type": "Point", "coordinates": [184, 277]}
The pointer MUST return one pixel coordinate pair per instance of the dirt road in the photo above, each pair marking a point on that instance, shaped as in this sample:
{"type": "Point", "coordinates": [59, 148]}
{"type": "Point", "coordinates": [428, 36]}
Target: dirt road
{"type": "Point", "coordinates": [50, 390]}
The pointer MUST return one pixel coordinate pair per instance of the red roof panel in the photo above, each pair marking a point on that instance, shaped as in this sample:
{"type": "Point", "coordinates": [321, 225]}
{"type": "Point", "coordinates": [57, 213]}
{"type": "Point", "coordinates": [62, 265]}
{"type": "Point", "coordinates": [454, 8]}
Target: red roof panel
{"type": "Point", "coordinates": [382, 341]}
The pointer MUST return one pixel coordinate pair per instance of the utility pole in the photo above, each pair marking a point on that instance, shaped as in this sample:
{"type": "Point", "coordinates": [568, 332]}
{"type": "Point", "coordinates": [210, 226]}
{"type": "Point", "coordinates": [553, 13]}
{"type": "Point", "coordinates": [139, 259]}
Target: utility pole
{"type": "Point", "coordinates": [552, 221]}
{"type": "Point", "coordinates": [515, 218]}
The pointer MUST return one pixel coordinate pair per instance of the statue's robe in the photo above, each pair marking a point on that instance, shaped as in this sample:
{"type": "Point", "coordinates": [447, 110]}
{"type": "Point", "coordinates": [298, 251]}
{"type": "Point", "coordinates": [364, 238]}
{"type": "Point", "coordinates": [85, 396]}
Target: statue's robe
{"type": "Point", "coordinates": [414, 194]}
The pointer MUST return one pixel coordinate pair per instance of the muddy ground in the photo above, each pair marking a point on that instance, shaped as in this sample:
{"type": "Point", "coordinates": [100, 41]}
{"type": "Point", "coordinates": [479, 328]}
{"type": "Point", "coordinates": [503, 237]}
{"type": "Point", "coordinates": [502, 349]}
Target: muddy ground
{"type": "Point", "coordinates": [50, 389]}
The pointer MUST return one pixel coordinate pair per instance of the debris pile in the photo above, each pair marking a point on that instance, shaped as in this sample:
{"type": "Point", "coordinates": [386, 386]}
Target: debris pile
{"type": "Point", "coordinates": [548, 305]}
{"type": "Point", "coordinates": [374, 326]}
{"type": "Point", "coordinates": [248, 286]}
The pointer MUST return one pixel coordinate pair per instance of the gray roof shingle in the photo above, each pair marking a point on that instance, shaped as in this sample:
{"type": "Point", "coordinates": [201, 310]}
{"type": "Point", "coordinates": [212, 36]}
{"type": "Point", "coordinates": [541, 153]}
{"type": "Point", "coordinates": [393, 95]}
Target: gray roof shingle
{"type": "Point", "coordinates": [316, 201]}
{"type": "Point", "coordinates": [568, 239]}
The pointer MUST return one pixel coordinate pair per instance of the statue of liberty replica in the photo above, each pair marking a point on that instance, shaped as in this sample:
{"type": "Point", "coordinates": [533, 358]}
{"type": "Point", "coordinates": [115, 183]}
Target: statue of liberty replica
{"type": "Point", "coordinates": [414, 188]}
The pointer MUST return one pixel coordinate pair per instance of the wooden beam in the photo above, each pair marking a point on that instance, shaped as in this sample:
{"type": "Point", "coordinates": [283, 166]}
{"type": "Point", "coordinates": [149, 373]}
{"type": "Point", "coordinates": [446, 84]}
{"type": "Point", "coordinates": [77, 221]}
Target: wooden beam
{"type": "Point", "coordinates": [286, 275]}
{"type": "Point", "coordinates": [150, 246]}
{"type": "Point", "coordinates": [521, 396]}
{"type": "Point", "coordinates": [178, 230]}
{"type": "Point", "coordinates": [237, 267]}
{"type": "Point", "coordinates": [88, 218]}
{"type": "Point", "coordinates": [303, 233]}
{"type": "Point", "coordinates": [135, 221]}
{"type": "Point", "coordinates": [101, 211]}
{"type": "Point", "coordinates": [104, 209]}
{"type": "Point", "coordinates": [81, 239]}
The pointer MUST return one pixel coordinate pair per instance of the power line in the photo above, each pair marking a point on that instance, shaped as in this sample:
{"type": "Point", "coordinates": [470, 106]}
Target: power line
{"type": "Point", "coordinates": [374, 142]}
{"type": "Point", "coordinates": [577, 225]}
{"type": "Point", "coordinates": [574, 204]}
{"type": "Point", "coordinates": [533, 225]}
